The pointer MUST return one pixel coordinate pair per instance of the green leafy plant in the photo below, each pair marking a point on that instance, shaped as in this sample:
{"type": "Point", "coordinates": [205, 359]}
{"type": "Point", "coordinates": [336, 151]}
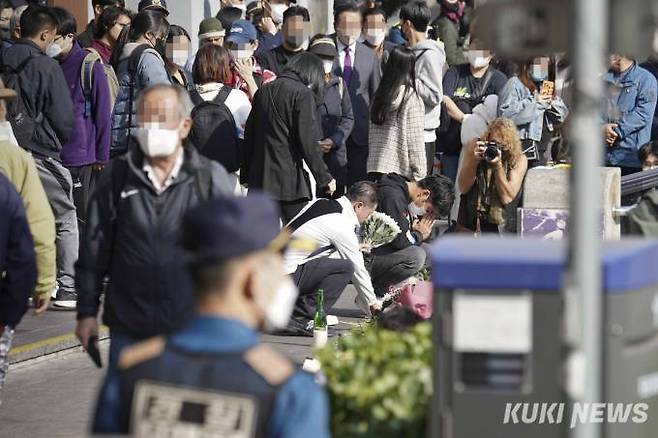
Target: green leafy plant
{"type": "Point", "coordinates": [379, 382]}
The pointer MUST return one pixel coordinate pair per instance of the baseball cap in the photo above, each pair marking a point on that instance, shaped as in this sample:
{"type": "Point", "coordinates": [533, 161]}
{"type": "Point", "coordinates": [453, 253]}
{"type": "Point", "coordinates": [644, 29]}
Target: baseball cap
{"type": "Point", "coordinates": [154, 5]}
{"type": "Point", "coordinates": [242, 32]}
{"type": "Point", "coordinates": [228, 227]}
{"type": "Point", "coordinates": [324, 47]}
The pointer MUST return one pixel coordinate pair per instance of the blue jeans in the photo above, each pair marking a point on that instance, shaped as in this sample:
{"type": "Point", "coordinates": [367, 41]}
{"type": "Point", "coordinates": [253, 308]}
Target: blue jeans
{"type": "Point", "coordinates": [104, 419]}
{"type": "Point", "coordinates": [450, 166]}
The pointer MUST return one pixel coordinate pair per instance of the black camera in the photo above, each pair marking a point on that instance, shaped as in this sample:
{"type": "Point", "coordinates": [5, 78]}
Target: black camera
{"type": "Point", "coordinates": [492, 151]}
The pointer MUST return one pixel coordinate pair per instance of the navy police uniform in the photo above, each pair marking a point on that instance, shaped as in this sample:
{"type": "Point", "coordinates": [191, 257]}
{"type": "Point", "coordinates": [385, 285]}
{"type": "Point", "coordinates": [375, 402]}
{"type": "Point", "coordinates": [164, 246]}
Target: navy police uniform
{"type": "Point", "coordinates": [213, 378]}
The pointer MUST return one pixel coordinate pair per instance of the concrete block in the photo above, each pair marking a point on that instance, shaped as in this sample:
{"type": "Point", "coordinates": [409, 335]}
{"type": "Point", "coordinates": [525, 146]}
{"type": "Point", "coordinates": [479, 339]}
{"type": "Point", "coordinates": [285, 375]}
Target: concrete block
{"type": "Point", "coordinates": [549, 189]}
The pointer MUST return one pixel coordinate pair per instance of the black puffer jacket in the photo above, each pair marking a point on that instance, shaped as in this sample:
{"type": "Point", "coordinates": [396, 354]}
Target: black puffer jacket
{"type": "Point", "coordinates": [132, 236]}
{"type": "Point", "coordinates": [47, 94]}
{"type": "Point", "coordinates": [393, 193]}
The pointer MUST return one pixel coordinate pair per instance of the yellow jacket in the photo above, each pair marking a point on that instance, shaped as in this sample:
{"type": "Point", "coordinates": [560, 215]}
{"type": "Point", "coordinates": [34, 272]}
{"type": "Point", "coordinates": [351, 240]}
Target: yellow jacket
{"type": "Point", "coordinates": [20, 169]}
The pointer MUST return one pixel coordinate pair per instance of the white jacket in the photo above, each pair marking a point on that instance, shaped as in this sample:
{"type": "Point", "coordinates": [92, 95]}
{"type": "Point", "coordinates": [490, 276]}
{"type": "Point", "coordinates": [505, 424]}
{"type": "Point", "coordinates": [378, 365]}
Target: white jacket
{"type": "Point", "coordinates": [339, 231]}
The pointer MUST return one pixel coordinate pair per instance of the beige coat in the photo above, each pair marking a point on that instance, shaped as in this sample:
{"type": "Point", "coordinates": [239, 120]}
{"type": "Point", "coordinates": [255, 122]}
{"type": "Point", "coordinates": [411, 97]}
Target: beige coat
{"type": "Point", "coordinates": [20, 169]}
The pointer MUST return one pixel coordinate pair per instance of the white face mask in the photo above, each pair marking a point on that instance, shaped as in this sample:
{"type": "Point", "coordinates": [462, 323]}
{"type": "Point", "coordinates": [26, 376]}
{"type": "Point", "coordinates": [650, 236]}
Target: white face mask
{"type": "Point", "coordinates": [277, 12]}
{"type": "Point", "coordinates": [375, 37]}
{"type": "Point", "coordinates": [477, 60]}
{"type": "Point", "coordinates": [54, 50]}
{"type": "Point", "coordinates": [241, 54]}
{"type": "Point", "coordinates": [157, 142]}
{"type": "Point", "coordinates": [180, 57]}
{"type": "Point", "coordinates": [537, 73]}
{"type": "Point", "coordinates": [279, 305]}
{"type": "Point", "coordinates": [415, 210]}
{"type": "Point", "coordinates": [328, 66]}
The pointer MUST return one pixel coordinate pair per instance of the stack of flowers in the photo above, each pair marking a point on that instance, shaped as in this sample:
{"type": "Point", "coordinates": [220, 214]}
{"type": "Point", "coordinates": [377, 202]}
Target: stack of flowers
{"type": "Point", "coordinates": [377, 231]}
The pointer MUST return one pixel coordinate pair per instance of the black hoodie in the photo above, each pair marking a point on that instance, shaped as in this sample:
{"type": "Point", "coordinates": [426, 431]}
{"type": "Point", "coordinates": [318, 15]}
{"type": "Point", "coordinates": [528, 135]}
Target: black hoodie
{"type": "Point", "coordinates": [393, 193]}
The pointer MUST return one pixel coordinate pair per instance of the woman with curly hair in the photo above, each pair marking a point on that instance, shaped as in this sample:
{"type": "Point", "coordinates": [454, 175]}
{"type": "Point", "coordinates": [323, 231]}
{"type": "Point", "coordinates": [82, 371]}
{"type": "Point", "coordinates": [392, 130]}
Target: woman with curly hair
{"type": "Point", "coordinates": [491, 178]}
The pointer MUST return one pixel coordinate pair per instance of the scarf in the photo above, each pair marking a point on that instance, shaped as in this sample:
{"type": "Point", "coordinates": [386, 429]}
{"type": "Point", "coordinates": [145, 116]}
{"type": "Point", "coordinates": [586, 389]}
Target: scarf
{"type": "Point", "coordinates": [487, 204]}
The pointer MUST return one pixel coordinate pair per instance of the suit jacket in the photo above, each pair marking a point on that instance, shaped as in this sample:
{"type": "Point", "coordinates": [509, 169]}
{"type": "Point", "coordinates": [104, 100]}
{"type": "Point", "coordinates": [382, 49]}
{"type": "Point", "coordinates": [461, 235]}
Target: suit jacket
{"type": "Point", "coordinates": [366, 74]}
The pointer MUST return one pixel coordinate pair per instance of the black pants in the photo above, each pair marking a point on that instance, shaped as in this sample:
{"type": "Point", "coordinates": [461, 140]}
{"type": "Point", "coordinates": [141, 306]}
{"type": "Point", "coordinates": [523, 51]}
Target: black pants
{"type": "Point", "coordinates": [357, 160]}
{"type": "Point", "coordinates": [331, 275]}
{"type": "Point", "coordinates": [84, 180]}
{"type": "Point", "coordinates": [390, 269]}
{"type": "Point", "coordinates": [290, 209]}
{"type": "Point", "coordinates": [430, 150]}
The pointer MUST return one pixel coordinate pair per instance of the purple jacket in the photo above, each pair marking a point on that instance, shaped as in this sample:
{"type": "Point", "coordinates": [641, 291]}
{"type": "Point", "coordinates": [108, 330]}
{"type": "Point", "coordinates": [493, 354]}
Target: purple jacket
{"type": "Point", "coordinates": [90, 139]}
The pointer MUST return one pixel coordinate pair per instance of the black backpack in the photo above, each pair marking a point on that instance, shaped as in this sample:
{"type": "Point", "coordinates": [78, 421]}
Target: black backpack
{"type": "Point", "coordinates": [22, 121]}
{"type": "Point", "coordinates": [213, 130]}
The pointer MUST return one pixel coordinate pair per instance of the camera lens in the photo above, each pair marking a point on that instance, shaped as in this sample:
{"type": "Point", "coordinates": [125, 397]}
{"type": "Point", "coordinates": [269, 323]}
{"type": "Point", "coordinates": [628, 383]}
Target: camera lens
{"type": "Point", "coordinates": [491, 152]}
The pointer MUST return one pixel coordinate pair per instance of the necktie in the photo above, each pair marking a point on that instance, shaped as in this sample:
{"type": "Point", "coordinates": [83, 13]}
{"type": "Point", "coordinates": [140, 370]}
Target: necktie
{"type": "Point", "coordinates": [347, 66]}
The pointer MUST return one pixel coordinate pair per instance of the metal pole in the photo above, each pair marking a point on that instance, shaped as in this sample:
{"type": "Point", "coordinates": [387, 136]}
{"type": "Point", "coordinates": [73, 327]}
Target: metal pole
{"type": "Point", "coordinates": [588, 54]}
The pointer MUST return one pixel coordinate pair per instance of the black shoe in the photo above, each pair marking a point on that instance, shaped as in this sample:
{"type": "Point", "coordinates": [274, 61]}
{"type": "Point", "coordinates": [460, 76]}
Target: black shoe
{"type": "Point", "coordinates": [65, 300]}
{"type": "Point", "coordinates": [297, 327]}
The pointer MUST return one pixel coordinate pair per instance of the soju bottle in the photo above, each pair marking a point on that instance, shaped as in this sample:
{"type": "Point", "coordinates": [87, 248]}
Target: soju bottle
{"type": "Point", "coordinates": [320, 321]}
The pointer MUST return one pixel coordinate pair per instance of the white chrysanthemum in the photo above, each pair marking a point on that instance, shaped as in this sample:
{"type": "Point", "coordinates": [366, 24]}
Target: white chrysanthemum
{"type": "Point", "coordinates": [380, 229]}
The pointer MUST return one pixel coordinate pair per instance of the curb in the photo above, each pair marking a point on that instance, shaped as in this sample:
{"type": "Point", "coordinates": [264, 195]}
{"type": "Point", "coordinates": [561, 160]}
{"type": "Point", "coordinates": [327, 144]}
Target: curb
{"type": "Point", "coordinates": [49, 346]}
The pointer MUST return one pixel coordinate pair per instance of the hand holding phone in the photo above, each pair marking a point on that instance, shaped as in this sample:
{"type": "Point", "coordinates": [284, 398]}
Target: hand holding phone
{"type": "Point", "coordinates": [547, 89]}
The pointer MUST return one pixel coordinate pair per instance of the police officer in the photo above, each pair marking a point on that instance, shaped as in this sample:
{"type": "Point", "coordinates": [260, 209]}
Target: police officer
{"type": "Point", "coordinates": [214, 378]}
{"type": "Point", "coordinates": [156, 5]}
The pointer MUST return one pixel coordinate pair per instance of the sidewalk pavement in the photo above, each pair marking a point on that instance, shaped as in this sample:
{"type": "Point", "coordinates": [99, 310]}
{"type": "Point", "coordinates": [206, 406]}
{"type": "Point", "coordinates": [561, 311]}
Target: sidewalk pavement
{"type": "Point", "coordinates": [53, 332]}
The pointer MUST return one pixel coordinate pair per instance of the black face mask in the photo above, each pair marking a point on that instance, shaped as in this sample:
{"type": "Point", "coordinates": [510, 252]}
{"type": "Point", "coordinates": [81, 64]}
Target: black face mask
{"type": "Point", "coordinates": [5, 35]}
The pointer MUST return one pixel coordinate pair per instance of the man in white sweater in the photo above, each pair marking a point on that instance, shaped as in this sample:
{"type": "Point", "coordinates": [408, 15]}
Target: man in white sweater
{"type": "Point", "coordinates": [337, 259]}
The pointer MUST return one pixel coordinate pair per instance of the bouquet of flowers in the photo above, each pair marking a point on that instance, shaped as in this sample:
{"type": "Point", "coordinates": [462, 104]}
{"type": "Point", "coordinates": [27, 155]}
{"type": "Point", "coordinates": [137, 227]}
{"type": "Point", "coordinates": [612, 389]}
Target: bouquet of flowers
{"type": "Point", "coordinates": [377, 231]}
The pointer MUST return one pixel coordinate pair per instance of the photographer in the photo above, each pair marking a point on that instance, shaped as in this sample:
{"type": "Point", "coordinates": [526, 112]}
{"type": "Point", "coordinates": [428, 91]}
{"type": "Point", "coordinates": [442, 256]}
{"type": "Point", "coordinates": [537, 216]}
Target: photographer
{"type": "Point", "coordinates": [490, 179]}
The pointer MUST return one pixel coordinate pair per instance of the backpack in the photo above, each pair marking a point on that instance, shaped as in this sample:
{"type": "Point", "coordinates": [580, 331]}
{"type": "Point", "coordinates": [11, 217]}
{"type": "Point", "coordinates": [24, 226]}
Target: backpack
{"type": "Point", "coordinates": [87, 79]}
{"type": "Point", "coordinates": [133, 65]}
{"type": "Point", "coordinates": [213, 130]}
{"type": "Point", "coordinates": [23, 123]}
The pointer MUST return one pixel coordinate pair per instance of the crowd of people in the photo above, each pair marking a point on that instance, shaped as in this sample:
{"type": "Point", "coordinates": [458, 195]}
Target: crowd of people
{"type": "Point", "coordinates": [152, 178]}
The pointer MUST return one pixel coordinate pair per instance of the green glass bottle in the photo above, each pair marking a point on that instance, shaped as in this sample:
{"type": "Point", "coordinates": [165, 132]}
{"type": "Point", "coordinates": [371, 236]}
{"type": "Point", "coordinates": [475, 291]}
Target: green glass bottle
{"type": "Point", "coordinates": [320, 320]}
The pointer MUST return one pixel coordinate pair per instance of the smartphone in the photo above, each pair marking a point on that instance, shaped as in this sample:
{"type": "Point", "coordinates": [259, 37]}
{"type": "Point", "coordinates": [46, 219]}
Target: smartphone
{"type": "Point", "coordinates": [93, 352]}
{"type": "Point", "coordinates": [547, 88]}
